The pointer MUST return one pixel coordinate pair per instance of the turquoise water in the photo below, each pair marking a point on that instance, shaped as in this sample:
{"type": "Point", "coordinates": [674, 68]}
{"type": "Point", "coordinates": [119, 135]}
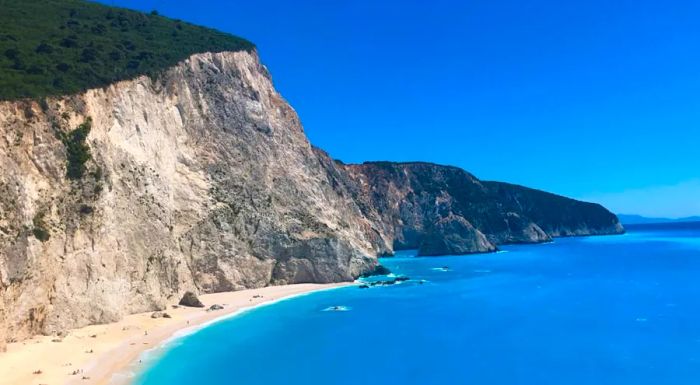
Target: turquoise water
{"type": "Point", "coordinates": [599, 310]}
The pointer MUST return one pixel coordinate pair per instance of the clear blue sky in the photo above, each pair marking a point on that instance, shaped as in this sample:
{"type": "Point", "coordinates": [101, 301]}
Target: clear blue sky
{"type": "Point", "coordinates": [597, 100]}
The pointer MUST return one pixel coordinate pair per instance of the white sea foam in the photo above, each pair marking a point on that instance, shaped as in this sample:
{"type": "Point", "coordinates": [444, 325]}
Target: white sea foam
{"type": "Point", "coordinates": [337, 308]}
{"type": "Point", "coordinates": [482, 271]}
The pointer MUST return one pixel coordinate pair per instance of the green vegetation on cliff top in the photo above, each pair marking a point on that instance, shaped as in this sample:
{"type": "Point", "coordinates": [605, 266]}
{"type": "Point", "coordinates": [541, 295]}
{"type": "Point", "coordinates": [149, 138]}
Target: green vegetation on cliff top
{"type": "Point", "coordinates": [58, 47]}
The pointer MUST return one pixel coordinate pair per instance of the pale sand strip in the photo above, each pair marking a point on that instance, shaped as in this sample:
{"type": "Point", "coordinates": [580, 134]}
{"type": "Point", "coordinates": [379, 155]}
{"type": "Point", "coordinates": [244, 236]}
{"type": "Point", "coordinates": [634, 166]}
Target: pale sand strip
{"type": "Point", "coordinates": [118, 345]}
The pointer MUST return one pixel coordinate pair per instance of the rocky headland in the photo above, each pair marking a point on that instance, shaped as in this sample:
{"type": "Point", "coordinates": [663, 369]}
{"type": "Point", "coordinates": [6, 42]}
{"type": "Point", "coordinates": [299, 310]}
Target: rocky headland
{"type": "Point", "coordinates": [121, 198]}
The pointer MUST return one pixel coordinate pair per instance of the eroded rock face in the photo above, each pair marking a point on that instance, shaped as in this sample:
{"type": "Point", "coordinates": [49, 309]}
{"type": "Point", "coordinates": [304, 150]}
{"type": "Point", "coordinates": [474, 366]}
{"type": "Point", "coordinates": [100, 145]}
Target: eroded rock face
{"type": "Point", "coordinates": [200, 180]}
{"type": "Point", "coordinates": [445, 210]}
{"type": "Point", "coordinates": [556, 215]}
{"type": "Point", "coordinates": [3, 326]}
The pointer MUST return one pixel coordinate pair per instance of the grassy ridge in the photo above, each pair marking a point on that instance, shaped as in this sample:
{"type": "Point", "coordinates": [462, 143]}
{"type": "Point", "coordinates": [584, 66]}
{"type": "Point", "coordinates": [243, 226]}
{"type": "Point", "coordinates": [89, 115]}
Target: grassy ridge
{"type": "Point", "coordinates": [58, 47]}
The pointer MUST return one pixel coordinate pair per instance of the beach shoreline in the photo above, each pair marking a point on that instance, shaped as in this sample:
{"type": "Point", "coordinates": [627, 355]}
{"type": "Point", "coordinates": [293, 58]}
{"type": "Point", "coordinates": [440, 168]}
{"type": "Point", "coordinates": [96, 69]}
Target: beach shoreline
{"type": "Point", "coordinates": [108, 354]}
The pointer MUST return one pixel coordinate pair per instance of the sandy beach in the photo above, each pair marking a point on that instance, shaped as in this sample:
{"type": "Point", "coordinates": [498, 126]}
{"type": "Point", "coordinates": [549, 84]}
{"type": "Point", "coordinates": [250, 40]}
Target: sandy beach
{"type": "Point", "coordinates": [101, 354]}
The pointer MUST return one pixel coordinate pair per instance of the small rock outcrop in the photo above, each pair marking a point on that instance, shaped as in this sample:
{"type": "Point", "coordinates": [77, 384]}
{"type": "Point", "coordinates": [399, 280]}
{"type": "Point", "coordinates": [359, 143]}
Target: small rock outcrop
{"type": "Point", "coordinates": [189, 299]}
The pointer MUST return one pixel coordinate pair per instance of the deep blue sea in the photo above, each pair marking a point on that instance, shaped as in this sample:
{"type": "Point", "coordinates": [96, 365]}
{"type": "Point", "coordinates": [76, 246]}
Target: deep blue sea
{"type": "Point", "coordinates": [597, 310]}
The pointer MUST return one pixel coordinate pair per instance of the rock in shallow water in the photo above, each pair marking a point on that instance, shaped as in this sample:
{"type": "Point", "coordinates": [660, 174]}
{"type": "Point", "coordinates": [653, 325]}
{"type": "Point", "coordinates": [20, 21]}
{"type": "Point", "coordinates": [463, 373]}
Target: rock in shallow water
{"type": "Point", "coordinates": [384, 282]}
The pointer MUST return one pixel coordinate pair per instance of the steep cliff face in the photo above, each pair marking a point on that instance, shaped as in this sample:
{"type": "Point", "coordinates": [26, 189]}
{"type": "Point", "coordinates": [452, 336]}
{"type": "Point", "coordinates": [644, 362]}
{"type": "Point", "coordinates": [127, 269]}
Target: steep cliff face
{"type": "Point", "coordinates": [445, 210]}
{"type": "Point", "coordinates": [202, 179]}
{"type": "Point", "coordinates": [556, 215]}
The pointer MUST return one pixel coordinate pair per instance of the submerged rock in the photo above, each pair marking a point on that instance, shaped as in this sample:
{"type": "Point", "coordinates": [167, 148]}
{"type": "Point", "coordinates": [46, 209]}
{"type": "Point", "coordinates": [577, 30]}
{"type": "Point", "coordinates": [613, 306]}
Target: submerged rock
{"type": "Point", "coordinates": [337, 308]}
{"type": "Point", "coordinates": [190, 300]}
